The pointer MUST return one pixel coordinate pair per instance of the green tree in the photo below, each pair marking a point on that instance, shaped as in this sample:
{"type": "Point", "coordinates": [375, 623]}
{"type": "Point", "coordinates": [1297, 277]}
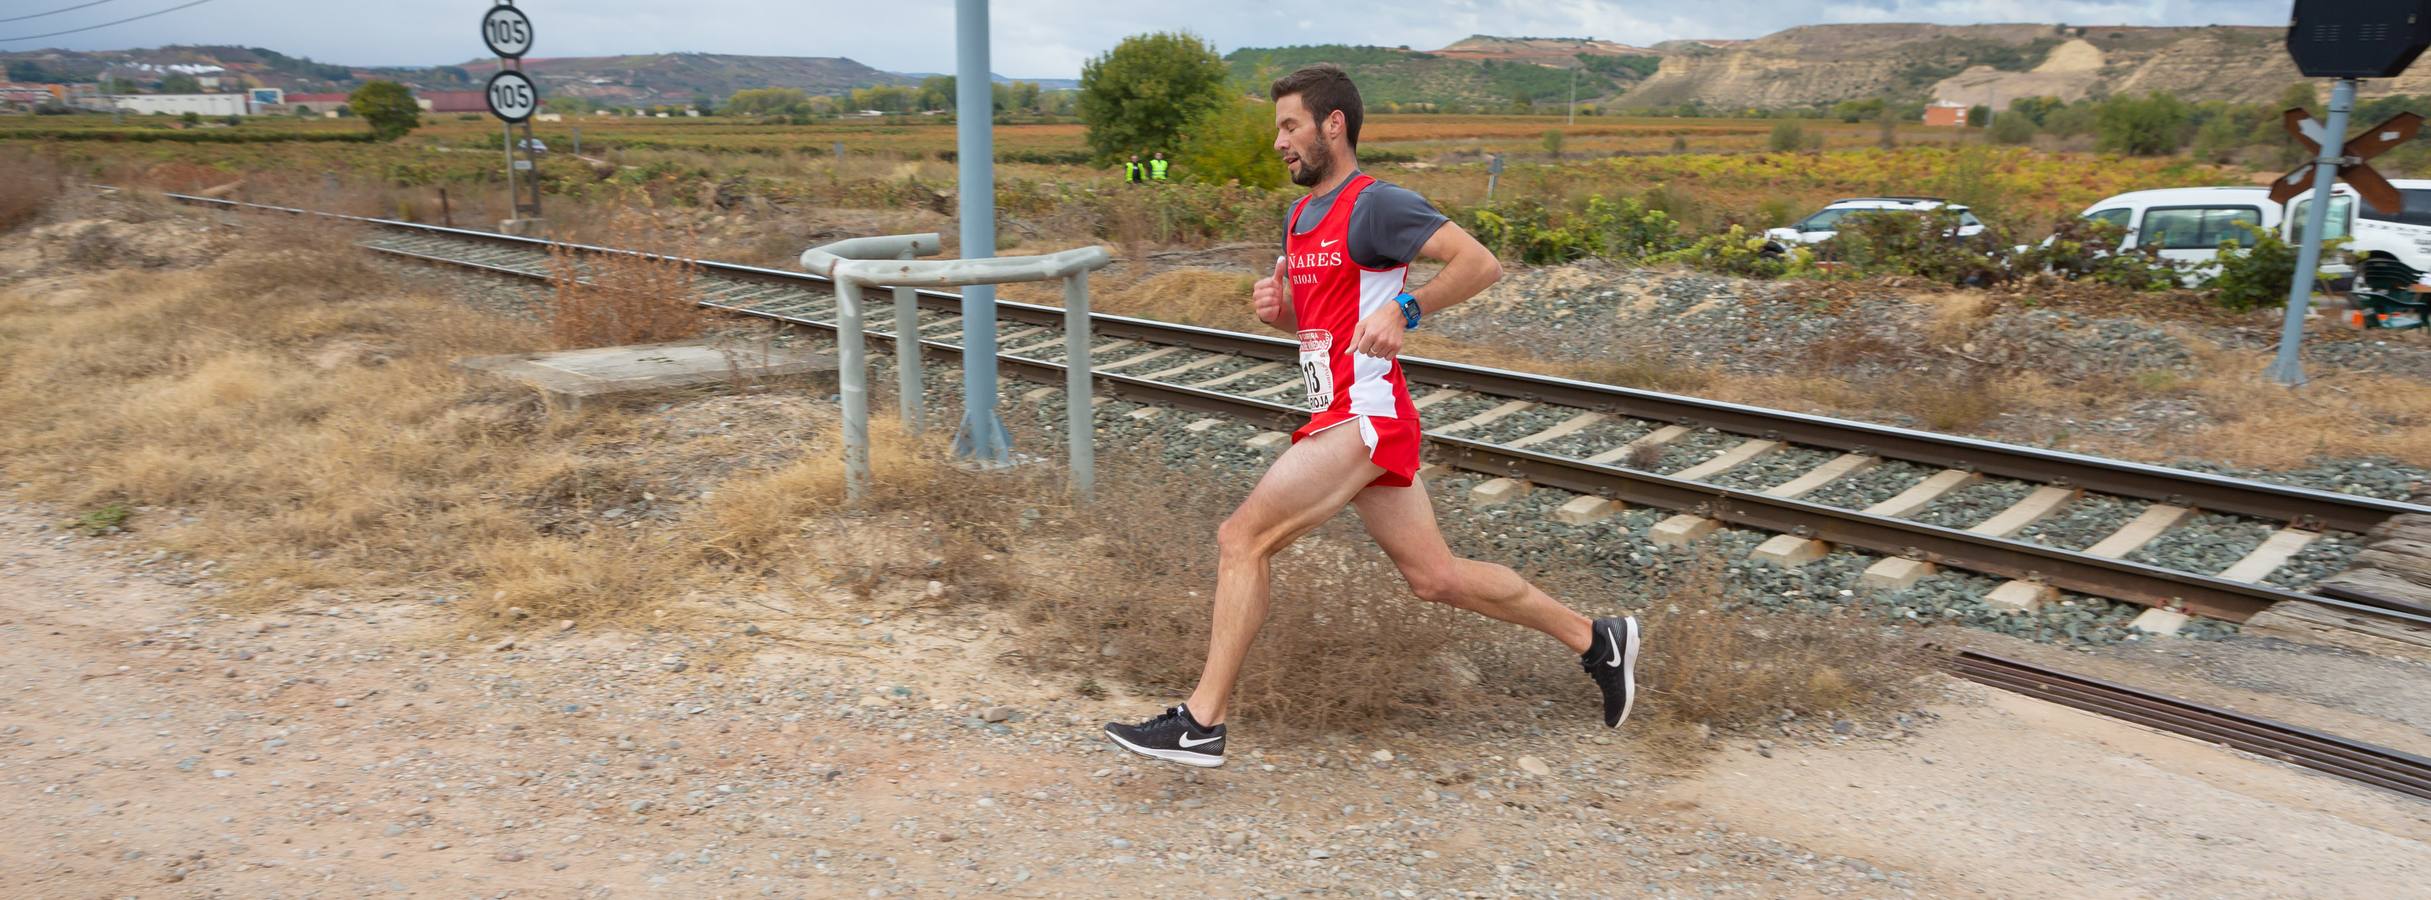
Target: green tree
{"type": "Point", "coordinates": [180, 83]}
{"type": "Point", "coordinates": [1147, 89]}
{"type": "Point", "coordinates": [2300, 95]}
{"type": "Point", "coordinates": [2013, 127]}
{"type": "Point", "coordinates": [768, 102]}
{"type": "Point", "coordinates": [1857, 110]}
{"type": "Point", "coordinates": [387, 106]}
{"type": "Point", "coordinates": [1553, 142]}
{"type": "Point", "coordinates": [2036, 109]}
{"type": "Point", "coordinates": [2154, 125]}
{"type": "Point", "coordinates": [937, 92]}
{"type": "Point", "coordinates": [1232, 142]}
{"type": "Point", "coordinates": [1979, 116]}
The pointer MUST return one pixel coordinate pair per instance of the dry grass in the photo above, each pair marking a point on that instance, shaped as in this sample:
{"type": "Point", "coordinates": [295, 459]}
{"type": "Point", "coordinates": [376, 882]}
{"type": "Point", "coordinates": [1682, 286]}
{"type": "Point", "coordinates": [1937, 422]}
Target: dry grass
{"type": "Point", "coordinates": [1722, 666]}
{"type": "Point", "coordinates": [28, 185]}
{"type": "Point", "coordinates": [605, 300]}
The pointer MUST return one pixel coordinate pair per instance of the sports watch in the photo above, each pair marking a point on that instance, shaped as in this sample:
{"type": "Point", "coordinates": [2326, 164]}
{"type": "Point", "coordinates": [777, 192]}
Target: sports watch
{"type": "Point", "coordinates": [1409, 311]}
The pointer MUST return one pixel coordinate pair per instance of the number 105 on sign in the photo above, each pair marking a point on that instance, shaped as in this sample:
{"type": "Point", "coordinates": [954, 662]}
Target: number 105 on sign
{"type": "Point", "coordinates": [512, 96]}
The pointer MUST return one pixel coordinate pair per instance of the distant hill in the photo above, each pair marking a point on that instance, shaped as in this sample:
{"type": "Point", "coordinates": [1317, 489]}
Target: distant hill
{"type": "Point", "coordinates": [1480, 73]}
{"type": "Point", "coordinates": [677, 77]}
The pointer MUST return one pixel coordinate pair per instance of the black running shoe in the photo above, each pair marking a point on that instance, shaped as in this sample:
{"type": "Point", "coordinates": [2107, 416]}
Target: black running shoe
{"type": "Point", "coordinates": [1612, 660]}
{"type": "Point", "coordinates": [1173, 737]}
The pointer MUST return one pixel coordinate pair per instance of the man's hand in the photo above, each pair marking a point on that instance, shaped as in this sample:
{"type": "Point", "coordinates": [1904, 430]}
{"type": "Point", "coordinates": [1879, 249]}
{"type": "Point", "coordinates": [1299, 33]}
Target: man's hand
{"type": "Point", "coordinates": [1379, 333]}
{"type": "Point", "coordinates": [1272, 298]}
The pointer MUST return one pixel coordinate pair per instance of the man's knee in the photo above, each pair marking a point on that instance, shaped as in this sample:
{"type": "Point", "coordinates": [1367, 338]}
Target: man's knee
{"type": "Point", "coordinates": [1436, 584]}
{"type": "Point", "coordinates": [1243, 536]}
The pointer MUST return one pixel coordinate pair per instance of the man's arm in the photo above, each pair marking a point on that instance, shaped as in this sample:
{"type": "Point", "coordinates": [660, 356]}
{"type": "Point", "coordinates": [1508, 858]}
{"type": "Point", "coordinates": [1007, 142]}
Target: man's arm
{"type": "Point", "coordinates": [1468, 267]}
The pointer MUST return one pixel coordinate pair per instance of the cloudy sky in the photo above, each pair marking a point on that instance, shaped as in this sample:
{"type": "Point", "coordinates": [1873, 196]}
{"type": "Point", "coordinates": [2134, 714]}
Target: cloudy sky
{"type": "Point", "coordinates": [1033, 38]}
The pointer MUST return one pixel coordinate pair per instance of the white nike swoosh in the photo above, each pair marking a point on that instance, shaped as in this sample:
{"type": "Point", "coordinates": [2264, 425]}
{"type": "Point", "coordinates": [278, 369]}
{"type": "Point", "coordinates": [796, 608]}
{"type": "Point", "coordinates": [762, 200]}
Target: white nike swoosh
{"type": "Point", "coordinates": [1323, 244]}
{"type": "Point", "coordinates": [1616, 648]}
{"type": "Point", "coordinates": [1185, 740]}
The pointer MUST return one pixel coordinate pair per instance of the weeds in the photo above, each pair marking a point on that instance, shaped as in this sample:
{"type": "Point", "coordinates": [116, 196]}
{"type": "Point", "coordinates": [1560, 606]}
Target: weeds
{"type": "Point", "coordinates": [28, 184]}
{"type": "Point", "coordinates": [611, 299]}
{"type": "Point", "coordinates": [1724, 665]}
{"type": "Point", "coordinates": [105, 520]}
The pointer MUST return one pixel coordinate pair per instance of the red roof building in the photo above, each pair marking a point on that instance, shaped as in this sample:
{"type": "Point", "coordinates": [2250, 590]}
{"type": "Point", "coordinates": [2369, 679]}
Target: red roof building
{"type": "Point", "coordinates": [453, 101]}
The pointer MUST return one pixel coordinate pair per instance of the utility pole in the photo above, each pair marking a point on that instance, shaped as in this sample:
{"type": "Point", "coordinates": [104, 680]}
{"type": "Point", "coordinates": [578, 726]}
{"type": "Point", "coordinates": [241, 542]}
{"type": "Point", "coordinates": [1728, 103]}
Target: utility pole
{"type": "Point", "coordinates": [1570, 115]}
{"type": "Point", "coordinates": [982, 437]}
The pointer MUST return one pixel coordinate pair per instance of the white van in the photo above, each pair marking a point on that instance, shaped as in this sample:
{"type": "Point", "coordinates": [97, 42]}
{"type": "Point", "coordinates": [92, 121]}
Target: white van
{"type": "Point", "coordinates": [2187, 225]}
{"type": "Point", "coordinates": [2404, 235]}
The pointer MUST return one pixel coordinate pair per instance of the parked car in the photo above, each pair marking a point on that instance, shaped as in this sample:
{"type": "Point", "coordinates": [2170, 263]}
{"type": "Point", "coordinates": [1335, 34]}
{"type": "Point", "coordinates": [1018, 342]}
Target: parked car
{"type": "Point", "coordinates": [1824, 224]}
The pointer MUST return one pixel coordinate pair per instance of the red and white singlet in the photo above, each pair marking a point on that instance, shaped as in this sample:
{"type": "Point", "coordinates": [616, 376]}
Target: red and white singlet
{"type": "Point", "coordinates": [1329, 295]}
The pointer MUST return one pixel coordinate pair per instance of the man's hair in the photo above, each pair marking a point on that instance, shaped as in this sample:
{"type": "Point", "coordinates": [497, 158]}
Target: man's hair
{"type": "Point", "coordinates": [1324, 88]}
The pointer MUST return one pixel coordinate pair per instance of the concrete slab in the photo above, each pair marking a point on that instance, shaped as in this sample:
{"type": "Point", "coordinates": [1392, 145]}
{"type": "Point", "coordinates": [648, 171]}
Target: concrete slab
{"type": "Point", "coordinates": [1202, 425]}
{"type": "Point", "coordinates": [1433, 472]}
{"type": "Point", "coordinates": [575, 377]}
{"type": "Point", "coordinates": [2042, 502]}
{"type": "Point", "coordinates": [1680, 531]}
{"type": "Point", "coordinates": [1896, 574]}
{"type": "Point", "coordinates": [2158, 621]}
{"type": "Point", "coordinates": [1191, 366]}
{"type": "Point", "coordinates": [1483, 418]}
{"type": "Point", "coordinates": [1727, 460]}
{"type": "Point", "coordinates": [1498, 490]}
{"type": "Point", "coordinates": [1149, 356]}
{"type": "Point", "coordinates": [2274, 551]}
{"type": "Point", "coordinates": [1034, 395]}
{"type": "Point", "coordinates": [1921, 493]}
{"type": "Point", "coordinates": [2155, 519]}
{"type": "Point", "coordinates": [2023, 596]}
{"type": "Point", "coordinates": [1655, 438]}
{"type": "Point", "coordinates": [1565, 429]}
{"type": "Point", "coordinates": [1280, 387]}
{"type": "Point", "coordinates": [1147, 412]}
{"type": "Point", "coordinates": [1436, 396]}
{"type": "Point", "coordinates": [1269, 440]}
{"type": "Point", "coordinates": [1839, 467]}
{"type": "Point", "coordinates": [1251, 372]}
{"type": "Point", "coordinates": [1587, 510]}
{"type": "Point", "coordinates": [1790, 551]}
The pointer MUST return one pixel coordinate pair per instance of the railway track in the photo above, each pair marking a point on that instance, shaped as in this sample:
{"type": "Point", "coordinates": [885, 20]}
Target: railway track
{"type": "Point", "coordinates": [2402, 772]}
{"type": "Point", "coordinates": [1576, 436]}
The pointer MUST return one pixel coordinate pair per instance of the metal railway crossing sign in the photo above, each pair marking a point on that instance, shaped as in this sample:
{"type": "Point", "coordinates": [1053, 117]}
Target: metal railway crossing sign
{"type": "Point", "coordinates": [2354, 158]}
{"type": "Point", "coordinates": [2348, 40]}
{"type": "Point", "coordinates": [513, 98]}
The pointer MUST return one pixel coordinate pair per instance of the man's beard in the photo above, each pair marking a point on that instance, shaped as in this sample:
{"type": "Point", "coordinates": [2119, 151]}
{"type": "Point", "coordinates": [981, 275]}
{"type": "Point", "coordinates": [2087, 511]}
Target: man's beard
{"type": "Point", "coordinates": [1314, 169]}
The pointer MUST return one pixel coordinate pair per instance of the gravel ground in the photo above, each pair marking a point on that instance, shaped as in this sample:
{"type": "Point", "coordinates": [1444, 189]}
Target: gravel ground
{"type": "Point", "coordinates": [2385, 479]}
{"type": "Point", "coordinates": [2204, 543]}
{"type": "Point", "coordinates": [2084, 522]}
{"type": "Point", "coordinates": [1774, 468]}
{"type": "Point", "coordinates": [1597, 438]}
{"type": "Point", "coordinates": [1694, 448]}
{"type": "Point", "coordinates": [2325, 556]}
{"type": "Point", "coordinates": [1969, 506]}
{"type": "Point", "coordinates": [1871, 486]}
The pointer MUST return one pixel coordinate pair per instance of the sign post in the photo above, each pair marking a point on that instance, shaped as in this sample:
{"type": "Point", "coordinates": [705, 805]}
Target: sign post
{"type": "Point", "coordinates": [514, 98]}
{"type": "Point", "coordinates": [2347, 40]}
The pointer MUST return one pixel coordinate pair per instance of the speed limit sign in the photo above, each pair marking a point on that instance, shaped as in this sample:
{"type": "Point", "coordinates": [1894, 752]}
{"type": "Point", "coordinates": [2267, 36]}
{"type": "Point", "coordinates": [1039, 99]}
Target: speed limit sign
{"type": "Point", "coordinates": [512, 96]}
{"type": "Point", "coordinates": [508, 31]}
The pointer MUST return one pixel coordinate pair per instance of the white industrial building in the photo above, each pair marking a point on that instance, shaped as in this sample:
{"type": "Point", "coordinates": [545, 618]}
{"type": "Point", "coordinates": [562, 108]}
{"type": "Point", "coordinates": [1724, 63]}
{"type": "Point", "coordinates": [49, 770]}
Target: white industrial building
{"type": "Point", "coordinates": [208, 105]}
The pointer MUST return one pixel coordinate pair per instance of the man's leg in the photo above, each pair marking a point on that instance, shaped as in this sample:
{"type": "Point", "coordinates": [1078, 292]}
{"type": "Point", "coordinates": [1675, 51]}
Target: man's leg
{"type": "Point", "coordinates": [1402, 520]}
{"type": "Point", "coordinates": [1307, 485]}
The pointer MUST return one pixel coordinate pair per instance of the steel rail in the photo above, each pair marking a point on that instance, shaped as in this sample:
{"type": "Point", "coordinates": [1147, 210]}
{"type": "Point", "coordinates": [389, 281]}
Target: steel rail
{"type": "Point", "coordinates": [2355, 760]}
{"type": "Point", "coordinates": [2114, 578]}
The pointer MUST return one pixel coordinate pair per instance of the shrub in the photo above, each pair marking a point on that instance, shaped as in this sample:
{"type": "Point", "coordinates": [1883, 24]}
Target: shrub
{"type": "Point", "coordinates": [2088, 250]}
{"type": "Point", "coordinates": [1788, 137]}
{"type": "Point", "coordinates": [2255, 277]}
{"type": "Point", "coordinates": [1737, 252]}
{"type": "Point", "coordinates": [2153, 125]}
{"type": "Point", "coordinates": [2012, 127]}
{"type": "Point", "coordinates": [1922, 244]}
{"type": "Point", "coordinates": [1528, 231]}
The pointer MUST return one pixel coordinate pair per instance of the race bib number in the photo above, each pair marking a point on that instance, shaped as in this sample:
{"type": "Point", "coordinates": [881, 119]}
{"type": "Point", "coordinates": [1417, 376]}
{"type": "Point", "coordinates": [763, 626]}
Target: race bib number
{"type": "Point", "coordinates": [1317, 367]}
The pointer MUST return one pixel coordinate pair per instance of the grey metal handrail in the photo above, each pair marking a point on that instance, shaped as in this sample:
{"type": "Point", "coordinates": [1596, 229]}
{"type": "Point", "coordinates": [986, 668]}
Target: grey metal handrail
{"type": "Point", "coordinates": [854, 264]}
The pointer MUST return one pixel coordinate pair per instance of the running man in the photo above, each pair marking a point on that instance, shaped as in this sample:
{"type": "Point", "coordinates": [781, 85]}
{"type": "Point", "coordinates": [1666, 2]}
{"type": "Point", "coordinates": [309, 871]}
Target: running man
{"type": "Point", "coordinates": [1341, 289]}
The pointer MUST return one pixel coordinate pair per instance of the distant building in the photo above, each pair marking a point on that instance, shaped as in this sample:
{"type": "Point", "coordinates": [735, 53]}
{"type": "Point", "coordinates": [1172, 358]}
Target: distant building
{"type": "Point", "coordinates": [1947, 114]}
{"type": "Point", "coordinates": [452, 102]}
{"type": "Point", "coordinates": [212, 105]}
{"type": "Point", "coordinates": [13, 94]}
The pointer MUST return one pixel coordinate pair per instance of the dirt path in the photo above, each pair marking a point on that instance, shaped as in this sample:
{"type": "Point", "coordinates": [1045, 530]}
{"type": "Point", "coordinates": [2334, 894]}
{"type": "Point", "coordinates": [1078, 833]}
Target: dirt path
{"type": "Point", "coordinates": [152, 745]}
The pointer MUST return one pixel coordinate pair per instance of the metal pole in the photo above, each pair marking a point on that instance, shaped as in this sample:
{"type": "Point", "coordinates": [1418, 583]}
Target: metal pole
{"type": "Point", "coordinates": [2288, 368]}
{"type": "Point", "coordinates": [578, 141]}
{"type": "Point", "coordinates": [533, 157]}
{"type": "Point", "coordinates": [908, 383]}
{"type": "Point", "coordinates": [982, 436]}
{"type": "Point", "coordinates": [1079, 412]}
{"type": "Point", "coordinates": [514, 200]}
{"type": "Point", "coordinates": [852, 376]}
{"type": "Point", "coordinates": [1570, 116]}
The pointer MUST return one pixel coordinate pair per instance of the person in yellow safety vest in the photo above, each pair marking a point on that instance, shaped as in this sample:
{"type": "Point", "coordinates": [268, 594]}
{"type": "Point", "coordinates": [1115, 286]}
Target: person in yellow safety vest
{"type": "Point", "coordinates": [1133, 171]}
{"type": "Point", "coordinates": [1156, 167]}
